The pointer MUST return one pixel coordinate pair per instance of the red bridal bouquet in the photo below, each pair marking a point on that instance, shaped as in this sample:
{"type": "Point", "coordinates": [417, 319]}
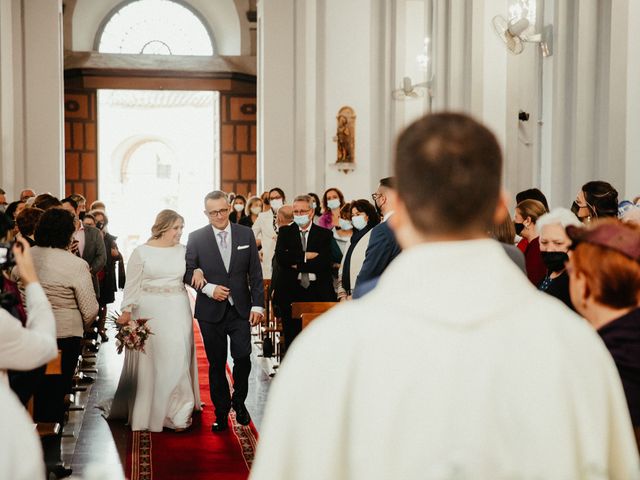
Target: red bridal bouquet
{"type": "Point", "coordinates": [133, 335]}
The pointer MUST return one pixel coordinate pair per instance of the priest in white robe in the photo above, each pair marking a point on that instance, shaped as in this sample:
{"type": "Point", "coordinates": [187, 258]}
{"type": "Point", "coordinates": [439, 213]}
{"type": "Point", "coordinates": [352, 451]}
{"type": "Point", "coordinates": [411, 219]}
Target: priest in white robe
{"type": "Point", "coordinates": [455, 366]}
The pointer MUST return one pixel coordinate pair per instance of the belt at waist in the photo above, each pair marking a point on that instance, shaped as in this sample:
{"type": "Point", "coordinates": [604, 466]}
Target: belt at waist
{"type": "Point", "coordinates": [163, 290]}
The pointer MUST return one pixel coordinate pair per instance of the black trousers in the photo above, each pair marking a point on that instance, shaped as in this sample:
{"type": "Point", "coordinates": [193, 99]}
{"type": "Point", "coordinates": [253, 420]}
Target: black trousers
{"type": "Point", "coordinates": [49, 405]}
{"type": "Point", "coordinates": [215, 336]}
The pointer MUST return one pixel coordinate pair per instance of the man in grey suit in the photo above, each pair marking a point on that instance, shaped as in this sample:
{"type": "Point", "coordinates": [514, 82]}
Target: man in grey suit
{"type": "Point", "coordinates": [224, 266]}
{"type": "Point", "coordinates": [88, 243]}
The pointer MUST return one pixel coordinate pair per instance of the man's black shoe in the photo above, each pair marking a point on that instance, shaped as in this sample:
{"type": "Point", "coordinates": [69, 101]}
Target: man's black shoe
{"type": "Point", "coordinates": [242, 415]}
{"type": "Point", "coordinates": [222, 424]}
{"type": "Point", "coordinates": [60, 471]}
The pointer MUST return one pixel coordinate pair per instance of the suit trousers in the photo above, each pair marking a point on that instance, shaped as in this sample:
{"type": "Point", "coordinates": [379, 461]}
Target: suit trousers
{"type": "Point", "coordinates": [214, 336]}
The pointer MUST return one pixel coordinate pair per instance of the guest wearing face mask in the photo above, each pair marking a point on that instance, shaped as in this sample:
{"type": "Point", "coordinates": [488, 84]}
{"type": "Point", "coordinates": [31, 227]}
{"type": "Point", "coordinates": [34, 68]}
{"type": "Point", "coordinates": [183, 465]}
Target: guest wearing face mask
{"type": "Point", "coordinates": [237, 209]}
{"type": "Point", "coordinates": [342, 233]}
{"type": "Point", "coordinates": [303, 253]}
{"type": "Point", "coordinates": [383, 246]}
{"type": "Point", "coordinates": [317, 211]}
{"type": "Point", "coordinates": [363, 217]}
{"type": "Point", "coordinates": [596, 199]}
{"type": "Point", "coordinates": [253, 209]}
{"type": "Point", "coordinates": [554, 245]}
{"type": "Point", "coordinates": [527, 214]}
{"type": "Point", "coordinates": [332, 202]}
{"type": "Point", "coordinates": [265, 230]}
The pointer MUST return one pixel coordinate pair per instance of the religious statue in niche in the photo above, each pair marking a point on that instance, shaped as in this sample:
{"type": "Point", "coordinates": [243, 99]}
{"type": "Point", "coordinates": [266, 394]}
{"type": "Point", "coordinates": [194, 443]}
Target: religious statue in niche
{"type": "Point", "coordinates": [346, 139]}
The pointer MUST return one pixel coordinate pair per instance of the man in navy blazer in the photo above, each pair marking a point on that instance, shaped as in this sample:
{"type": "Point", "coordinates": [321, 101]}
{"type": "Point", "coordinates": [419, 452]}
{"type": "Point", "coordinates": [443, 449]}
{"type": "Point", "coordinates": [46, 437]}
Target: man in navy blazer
{"type": "Point", "coordinates": [224, 267]}
{"type": "Point", "coordinates": [383, 247]}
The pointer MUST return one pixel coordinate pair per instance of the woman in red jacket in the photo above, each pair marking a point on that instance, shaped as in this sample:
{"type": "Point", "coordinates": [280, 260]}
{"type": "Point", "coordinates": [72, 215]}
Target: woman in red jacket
{"type": "Point", "coordinates": [527, 214]}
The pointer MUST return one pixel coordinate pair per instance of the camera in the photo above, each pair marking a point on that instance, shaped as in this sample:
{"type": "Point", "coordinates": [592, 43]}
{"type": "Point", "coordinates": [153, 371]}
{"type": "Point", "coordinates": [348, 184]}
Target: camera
{"type": "Point", "coordinates": [7, 259]}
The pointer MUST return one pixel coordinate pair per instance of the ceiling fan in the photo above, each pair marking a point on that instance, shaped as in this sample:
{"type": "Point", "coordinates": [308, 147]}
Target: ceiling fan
{"type": "Point", "coordinates": [410, 90]}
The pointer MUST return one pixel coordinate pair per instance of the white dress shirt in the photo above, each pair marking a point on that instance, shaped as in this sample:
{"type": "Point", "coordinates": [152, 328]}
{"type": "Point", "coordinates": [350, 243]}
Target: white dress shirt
{"type": "Point", "coordinates": [305, 231]}
{"type": "Point", "coordinates": [209, 288]}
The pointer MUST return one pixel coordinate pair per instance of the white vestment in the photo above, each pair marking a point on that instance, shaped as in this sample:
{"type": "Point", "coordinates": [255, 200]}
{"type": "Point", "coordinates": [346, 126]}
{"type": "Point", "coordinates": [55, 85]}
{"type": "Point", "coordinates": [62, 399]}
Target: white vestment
{"type": "Point", "coordinates": [455, 366]}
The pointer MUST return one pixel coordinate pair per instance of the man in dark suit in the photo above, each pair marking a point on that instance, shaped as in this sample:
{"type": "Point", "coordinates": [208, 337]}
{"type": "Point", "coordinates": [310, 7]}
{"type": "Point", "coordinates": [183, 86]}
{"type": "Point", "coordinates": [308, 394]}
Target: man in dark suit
{"type": "Point", "coordinates": [383, 247]}
{"type": "Point", "coordinates": [224, 266]}
{"type": "Point", "coordinates": [303, 254]}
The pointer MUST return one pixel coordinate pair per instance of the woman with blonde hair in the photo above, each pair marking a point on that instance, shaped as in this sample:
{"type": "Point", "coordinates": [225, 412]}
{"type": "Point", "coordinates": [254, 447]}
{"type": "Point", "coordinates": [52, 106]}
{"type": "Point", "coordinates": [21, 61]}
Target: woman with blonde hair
{"type": "Point", "coordinates": [527, 214]}
{"type": "Point", "coordinates": [159, 388]}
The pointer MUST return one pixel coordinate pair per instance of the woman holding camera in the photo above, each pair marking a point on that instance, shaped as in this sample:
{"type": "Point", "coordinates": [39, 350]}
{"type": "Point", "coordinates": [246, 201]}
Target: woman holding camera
{"type": "Point", "coordinates": [23, 348]}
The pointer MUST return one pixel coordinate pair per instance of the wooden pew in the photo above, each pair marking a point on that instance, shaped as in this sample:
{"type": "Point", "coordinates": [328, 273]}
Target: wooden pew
{"type": "Point", "coordinates": [312, 310]}
{"type": "Point", "coordinates": [307, 318]}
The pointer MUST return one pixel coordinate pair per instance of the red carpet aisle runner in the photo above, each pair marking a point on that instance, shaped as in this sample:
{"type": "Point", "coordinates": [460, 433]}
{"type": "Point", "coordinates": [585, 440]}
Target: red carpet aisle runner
{"type": "Point", "coordinates": [197, 453]}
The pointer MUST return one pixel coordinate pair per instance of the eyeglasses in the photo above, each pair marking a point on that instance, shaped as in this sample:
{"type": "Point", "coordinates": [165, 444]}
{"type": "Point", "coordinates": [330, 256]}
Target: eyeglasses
{"type": "Point", "coordinates": [301, 212]}
{"type": "Point", "coordinates": [218, 213]}
{"type": "Point", "coordinates": [376, 196]}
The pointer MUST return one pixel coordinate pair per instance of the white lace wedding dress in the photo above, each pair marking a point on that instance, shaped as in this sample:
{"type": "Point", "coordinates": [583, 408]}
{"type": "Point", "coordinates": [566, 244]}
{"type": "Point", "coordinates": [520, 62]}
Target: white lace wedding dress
{"type": "Point", "coordinates": [158, 388]}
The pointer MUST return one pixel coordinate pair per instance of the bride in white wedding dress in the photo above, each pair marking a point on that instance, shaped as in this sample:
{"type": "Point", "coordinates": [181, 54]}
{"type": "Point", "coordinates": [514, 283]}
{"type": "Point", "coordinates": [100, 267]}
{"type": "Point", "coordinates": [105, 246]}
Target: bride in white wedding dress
{"type": "Point", "coordinates": [159, 388]}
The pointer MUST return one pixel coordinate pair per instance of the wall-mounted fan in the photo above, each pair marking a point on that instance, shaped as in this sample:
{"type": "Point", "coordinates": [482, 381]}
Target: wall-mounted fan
{"type": "Point", "coordinates": [410, 90]}
{"type": "Point", "coordinates": [514, 33]}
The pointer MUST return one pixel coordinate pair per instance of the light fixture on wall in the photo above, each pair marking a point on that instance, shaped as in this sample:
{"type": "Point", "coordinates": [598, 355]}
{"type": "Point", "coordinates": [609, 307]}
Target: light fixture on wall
{"type": "Point", "coordinates": [514, 33]}
{"type": "Point", "coordinates": [408, 90]}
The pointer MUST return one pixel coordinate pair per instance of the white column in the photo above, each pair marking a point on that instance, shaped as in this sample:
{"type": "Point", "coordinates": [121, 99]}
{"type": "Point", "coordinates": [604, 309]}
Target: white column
{"type": "Point", "coordinates": [494, 78]}
{"type": "Point", "coordinates": [10, 121]}
{"type": "Point", "coordinates": [276, 95]}
{"type": "Point", "coordinates": [632, 153]}
{"type": "Point", "coordinates": [43, 96]}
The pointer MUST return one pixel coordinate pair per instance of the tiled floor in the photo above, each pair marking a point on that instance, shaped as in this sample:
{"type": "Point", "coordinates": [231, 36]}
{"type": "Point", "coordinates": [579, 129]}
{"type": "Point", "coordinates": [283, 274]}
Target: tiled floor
{"type": "Point", "coordinates": [98, 448]}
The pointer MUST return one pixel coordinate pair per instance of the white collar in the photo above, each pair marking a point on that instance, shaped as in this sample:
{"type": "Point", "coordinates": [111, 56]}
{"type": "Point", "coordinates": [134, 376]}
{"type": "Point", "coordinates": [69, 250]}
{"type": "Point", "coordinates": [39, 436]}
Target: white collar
{"type": "Point", "coordinates": [304, 230]}
{"type": "Point", "coordinates": [226, 229]}
{"type": "Point", "coordinates": [387, 215]}
{"type": "Point", "coordinates": [451, 279]}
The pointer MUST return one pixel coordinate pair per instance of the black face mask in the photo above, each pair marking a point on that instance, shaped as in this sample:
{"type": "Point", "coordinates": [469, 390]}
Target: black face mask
{"type": "Point", "coordinates": [81, 215]}
{"type": "Point", "coordinates": [575, 207]}
{"type": "Point", "coordinates": [519, 227]}
{"type": "Point", "coordinates": [555, 260]}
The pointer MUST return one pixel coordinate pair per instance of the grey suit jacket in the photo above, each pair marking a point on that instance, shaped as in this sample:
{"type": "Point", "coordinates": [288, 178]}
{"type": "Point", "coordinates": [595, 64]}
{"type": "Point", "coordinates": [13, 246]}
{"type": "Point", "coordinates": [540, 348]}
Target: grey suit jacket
{"type": "Point", "coordinates": [244, 278]}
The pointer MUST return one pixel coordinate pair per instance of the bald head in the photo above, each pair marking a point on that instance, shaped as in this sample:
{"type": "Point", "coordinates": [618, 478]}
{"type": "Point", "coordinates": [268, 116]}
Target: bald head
{"type": "Point", "coordinates": [285, 215]}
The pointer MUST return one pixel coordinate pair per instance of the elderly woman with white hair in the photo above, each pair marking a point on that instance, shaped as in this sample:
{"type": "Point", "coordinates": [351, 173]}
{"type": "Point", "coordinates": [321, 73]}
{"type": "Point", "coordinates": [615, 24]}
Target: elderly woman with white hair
{"type": "Point", "coordinates": [554, 245]}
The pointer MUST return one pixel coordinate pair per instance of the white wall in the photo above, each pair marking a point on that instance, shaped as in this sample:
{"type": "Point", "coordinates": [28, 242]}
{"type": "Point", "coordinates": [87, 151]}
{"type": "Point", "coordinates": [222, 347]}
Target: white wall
{"type": "Point", "coordinates": [632, 153]}
{"type": "Point", "coordinates": [314, 58]}
{"type": "Point", "coordinates": [31, 97]}
{"type": "Point", "coordinates": [222, 17]}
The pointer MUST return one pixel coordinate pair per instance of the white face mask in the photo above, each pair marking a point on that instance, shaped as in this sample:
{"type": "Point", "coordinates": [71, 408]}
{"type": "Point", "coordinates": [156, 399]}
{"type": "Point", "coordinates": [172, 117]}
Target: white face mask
{"type": "Point", "coordinates": [333, 203]}
{"type": "Point", "coordinates": [276, 203]}
{"type": "Point", "coordinates": [301, 220]}
{"type": "Point", "coordinates": [358, 222]}
{"type": "Point", "coordinates": [345, 224]}
{"type": "Point", "coordinates": [256, 210]}
{"type": "Point", "coordinates": [238, 207]}
{"type": "Point", "coordinates": [313, 205]}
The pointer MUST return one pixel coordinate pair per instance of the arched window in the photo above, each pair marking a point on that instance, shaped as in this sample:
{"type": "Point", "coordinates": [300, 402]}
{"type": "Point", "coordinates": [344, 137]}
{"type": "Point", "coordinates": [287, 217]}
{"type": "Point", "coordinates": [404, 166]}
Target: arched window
{"type": "Point", "coordinates": [160, 27]}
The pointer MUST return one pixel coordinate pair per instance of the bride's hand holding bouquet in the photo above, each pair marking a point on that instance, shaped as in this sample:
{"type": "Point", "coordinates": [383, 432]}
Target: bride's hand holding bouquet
{"type": "Point", "coordinates": [132, 334]}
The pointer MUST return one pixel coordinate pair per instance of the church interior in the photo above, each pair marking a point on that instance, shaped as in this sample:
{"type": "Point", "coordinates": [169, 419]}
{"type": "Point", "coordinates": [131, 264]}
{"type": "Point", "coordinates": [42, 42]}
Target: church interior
{"type": "Point", "coordinates": [147, 105]}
